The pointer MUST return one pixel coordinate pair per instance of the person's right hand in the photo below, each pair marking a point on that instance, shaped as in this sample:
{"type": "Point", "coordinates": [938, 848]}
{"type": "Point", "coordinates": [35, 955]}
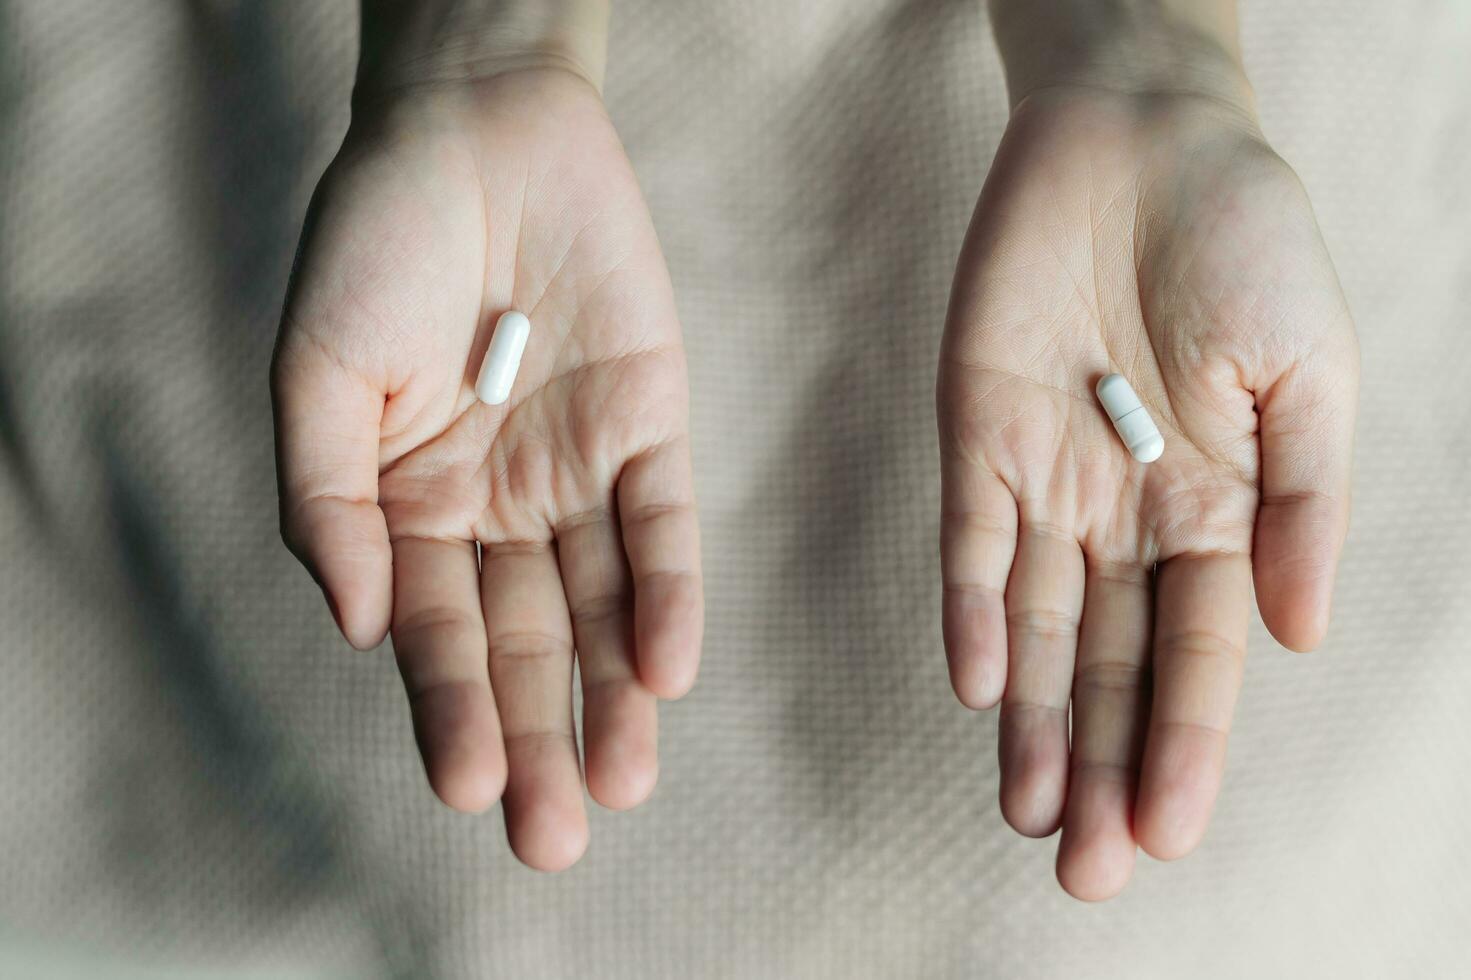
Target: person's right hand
{"type": "Point", "coordinates": [493, 541]}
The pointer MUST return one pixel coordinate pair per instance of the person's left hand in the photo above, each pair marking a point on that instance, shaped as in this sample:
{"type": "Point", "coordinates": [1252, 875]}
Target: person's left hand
{"type": "Point", "coordinates": [1159, 237]}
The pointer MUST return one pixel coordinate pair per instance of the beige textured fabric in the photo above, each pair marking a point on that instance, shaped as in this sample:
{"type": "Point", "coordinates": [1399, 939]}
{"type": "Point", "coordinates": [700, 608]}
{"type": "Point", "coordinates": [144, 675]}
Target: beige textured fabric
{"type": "Point", "coordinates": [195, 771]}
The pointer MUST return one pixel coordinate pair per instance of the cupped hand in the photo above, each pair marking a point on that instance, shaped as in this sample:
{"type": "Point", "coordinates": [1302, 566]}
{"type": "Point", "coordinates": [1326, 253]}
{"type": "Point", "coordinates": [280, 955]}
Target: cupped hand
{"type": "Point", "coordinates": [1161, 238]}
{"type": "Point", "coordinates": [493, 541]}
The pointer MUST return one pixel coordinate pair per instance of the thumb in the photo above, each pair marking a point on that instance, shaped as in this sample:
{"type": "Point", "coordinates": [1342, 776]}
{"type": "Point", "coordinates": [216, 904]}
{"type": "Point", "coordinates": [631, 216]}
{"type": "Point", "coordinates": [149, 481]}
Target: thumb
{"type": "Point", "coordinates": [1307, 425]}
{"type": "Point", "coordinates": [327, 470]}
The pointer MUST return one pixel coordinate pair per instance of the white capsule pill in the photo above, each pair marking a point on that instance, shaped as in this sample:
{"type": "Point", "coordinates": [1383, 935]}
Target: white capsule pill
{"type": "Point", "coordinates": [502, 358]}
{"type": "Point", "coordinates": [1130, 418]}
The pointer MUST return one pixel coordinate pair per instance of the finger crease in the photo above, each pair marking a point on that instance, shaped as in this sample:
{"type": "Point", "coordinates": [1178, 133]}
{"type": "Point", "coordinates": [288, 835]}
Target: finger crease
{"type": "Point", "coordinates": [1033, 707]}
{"type": "Point", "coordinates": [1201, 643]}
{"type": "Point", "coordinates": [1200, 727]}
{"type": "Point", "coordinates": [601, 607]}
{"type": "Point", "coordinates": [1045, 623]}
{"type": "Point", "coordinates": [529, 645]}
{"type": "Point", "coordinates": [652, 512]}
{"type": "Point", "coordinates": [973, 589]}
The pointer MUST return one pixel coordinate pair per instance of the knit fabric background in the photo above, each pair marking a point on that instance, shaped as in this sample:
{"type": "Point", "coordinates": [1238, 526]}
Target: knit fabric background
{"type": "Point", "coordinates": [197, 774]}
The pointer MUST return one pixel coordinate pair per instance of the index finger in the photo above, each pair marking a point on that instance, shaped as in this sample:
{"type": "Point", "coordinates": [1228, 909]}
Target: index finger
{"type": "Point", "coordinates": [327, 422]}
{"type": "Point", "coordinates": [661, 536]}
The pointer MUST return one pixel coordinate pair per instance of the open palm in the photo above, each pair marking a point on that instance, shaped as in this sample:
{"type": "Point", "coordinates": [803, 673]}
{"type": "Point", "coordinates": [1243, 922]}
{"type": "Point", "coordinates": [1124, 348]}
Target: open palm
{"type": "Point", "coordinates": [1163, 240]}
{"type": "Point", "coordinates": [496, 540]}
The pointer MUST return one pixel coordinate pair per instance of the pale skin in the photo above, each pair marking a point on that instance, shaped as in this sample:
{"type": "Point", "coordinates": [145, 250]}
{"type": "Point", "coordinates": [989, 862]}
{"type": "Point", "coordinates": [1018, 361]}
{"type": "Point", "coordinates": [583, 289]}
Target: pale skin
{"type": "Point", "coordinates": [1140, 226]}
{"type": "Point", "coordinates": [497, 543]}
{"type": "Point", "coordinates": [1134, 221]}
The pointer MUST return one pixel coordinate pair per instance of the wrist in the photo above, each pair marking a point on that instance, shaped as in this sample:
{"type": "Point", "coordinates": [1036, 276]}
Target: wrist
{"type": "Point", "coordinates": [409, 44]}
{"type": "Point", "coordinates": [1138, 48]}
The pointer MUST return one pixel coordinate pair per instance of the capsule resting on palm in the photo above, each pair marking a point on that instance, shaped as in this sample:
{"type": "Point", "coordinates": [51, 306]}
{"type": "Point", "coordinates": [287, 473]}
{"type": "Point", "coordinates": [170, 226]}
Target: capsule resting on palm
{"type": "Point", "coordinates": [502, 358]}
{"type": "Point", "coordinates": [1130, 418]}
